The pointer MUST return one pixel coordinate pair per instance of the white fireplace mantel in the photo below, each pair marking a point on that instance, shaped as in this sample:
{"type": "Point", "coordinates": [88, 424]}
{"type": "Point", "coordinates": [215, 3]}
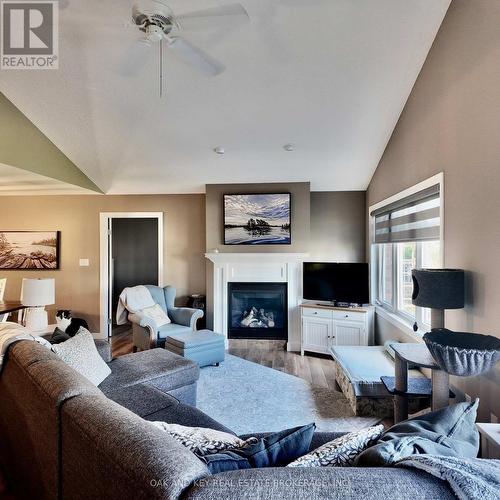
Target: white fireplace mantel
{"type": "Point", "coordinates": [258, 268]}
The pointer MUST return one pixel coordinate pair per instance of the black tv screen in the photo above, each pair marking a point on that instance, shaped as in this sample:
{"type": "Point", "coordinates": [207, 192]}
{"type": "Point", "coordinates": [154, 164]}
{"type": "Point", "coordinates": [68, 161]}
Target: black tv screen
{"type": "Point", "coordinates": [336, 281]}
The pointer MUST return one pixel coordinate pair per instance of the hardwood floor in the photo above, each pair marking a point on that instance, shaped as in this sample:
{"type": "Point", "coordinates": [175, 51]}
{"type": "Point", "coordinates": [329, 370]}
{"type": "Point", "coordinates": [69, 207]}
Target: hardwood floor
{"type": "Point", "coordinates": [317, 369]}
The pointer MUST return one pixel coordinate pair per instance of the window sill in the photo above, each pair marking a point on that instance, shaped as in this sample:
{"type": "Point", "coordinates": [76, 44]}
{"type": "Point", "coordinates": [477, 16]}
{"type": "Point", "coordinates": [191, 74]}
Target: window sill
{"type": "Point", "coordinates": [400, 323]}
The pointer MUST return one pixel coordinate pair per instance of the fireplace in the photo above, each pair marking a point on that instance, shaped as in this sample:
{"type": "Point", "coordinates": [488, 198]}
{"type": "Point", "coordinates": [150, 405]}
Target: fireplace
{"type": "Point", "coordinates": [257, 311]}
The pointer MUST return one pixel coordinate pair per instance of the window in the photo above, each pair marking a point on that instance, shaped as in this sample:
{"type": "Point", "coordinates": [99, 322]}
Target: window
{"type": "Point", "coordinates": [406, 234]}
{"type": "Point", "coordinates": [394, 262]}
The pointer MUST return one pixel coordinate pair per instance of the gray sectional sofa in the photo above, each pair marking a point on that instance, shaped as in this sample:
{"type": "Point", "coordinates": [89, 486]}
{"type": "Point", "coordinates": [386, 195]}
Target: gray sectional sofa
{"type": "Point", "coordinates": [63, 438]}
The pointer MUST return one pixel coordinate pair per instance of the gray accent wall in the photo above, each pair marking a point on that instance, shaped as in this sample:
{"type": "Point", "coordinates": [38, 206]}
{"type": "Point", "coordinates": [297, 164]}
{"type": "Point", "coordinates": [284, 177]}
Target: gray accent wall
{"type": "Point", "coordinates": [330, 226]}
{"type": "Point", "coordinates": [451, 123]}
{"type": "Point", "coordinates": [300, 192]}
{"type": "Point", "coordinates": [338, 229]}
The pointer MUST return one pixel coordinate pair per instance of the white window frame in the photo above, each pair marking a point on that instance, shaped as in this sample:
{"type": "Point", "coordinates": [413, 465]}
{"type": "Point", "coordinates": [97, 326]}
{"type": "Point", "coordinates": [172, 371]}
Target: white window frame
{"type": "Point", "coordinates": [390, 310]}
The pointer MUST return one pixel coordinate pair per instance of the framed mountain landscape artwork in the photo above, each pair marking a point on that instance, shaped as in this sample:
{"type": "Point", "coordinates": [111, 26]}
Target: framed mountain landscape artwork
{"type": "Point", "coordinates": [29, 250]}
{"type": "Point", "coordinates": [257, 219]}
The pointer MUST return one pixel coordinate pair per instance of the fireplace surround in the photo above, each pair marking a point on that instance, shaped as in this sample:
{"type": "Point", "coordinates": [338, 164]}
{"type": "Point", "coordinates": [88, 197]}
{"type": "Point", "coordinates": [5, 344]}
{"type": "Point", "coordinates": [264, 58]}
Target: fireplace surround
{"type": "Point", "coordinates": [255, 267]}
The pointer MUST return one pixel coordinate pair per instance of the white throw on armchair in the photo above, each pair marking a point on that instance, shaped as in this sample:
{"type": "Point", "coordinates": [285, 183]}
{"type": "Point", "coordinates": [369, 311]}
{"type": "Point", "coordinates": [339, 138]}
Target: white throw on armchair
{"type": "Point", "coordinates": [146, 335]}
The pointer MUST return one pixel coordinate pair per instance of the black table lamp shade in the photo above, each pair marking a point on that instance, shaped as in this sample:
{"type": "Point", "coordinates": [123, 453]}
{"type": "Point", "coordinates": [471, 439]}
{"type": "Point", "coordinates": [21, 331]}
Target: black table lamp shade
{"type": "Point", "coordinates": [438, 288]}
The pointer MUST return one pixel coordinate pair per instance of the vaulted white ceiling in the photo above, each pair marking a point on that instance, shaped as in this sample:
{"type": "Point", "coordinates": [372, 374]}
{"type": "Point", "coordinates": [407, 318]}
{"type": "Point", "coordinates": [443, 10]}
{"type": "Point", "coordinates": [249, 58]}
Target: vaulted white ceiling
{"type": "Point", "coordinates": [329, 76]}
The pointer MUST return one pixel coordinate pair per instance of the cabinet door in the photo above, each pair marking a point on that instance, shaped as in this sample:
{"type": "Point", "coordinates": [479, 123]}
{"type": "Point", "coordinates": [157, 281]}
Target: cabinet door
{"type": "Point", "coordinates": [349, 333]}
{"type": "Point", "coordinates": [316, 333]}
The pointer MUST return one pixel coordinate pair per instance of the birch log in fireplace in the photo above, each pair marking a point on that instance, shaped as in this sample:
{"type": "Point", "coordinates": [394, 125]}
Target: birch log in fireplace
{"type": "Point", "coordinates": [257, 311]}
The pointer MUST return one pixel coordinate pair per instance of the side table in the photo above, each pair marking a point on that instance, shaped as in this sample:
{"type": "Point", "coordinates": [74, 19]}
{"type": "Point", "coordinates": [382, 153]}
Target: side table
{"type": "Point", "coordinates": [490, 440]}
{"type": "Point", "coordinates": [417, 355]}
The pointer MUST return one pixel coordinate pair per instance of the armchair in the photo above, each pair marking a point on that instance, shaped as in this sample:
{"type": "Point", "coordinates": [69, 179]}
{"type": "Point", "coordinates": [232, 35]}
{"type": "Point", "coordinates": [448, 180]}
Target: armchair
{"type": "Point", "coordinates": [146, 335]}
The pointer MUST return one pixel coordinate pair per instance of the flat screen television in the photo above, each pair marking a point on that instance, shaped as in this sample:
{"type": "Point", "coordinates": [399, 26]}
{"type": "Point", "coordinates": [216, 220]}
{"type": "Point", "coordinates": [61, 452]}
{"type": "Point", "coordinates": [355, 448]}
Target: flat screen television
{"type": "Point", "coordinates": [340, 282]}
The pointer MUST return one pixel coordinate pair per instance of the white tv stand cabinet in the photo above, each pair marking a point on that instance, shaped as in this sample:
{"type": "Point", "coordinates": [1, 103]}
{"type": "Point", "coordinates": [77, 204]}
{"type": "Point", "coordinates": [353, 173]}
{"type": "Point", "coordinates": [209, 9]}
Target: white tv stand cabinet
{"type": "Point", "coordinates": [325, 326]}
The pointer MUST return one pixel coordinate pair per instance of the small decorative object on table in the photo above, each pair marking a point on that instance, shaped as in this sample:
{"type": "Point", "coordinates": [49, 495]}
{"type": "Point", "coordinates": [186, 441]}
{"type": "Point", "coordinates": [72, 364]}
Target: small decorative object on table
{"type": "Point", "coordinates": [463, 354]}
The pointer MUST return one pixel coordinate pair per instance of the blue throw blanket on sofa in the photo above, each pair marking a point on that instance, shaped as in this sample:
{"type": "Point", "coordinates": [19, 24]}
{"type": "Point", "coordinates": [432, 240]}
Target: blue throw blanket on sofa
{"type": "Point", "coordinates": [469, 478]}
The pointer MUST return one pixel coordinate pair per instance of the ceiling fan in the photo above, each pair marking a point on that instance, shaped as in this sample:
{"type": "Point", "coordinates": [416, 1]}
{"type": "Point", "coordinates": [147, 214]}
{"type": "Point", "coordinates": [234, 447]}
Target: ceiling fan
{"type": "Point", "coordinates": [159, 26]}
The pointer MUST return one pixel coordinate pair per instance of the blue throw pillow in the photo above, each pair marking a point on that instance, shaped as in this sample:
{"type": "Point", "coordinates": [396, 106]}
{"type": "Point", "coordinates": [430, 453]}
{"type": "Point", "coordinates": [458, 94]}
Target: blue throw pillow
{"type": "Point", "coordinates": [274, 450]}
{"type": "Point", "coordinates": [450, 431]}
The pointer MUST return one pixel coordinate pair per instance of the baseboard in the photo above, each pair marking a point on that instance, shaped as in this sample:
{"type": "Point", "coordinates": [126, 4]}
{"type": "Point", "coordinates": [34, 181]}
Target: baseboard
{"type": "Point", "coordinates": [293, 346]}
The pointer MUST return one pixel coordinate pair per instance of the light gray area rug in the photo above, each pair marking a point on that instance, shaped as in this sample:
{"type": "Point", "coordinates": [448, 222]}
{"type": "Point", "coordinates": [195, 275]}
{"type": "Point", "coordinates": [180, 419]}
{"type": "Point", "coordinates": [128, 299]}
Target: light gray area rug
{"type": "Point", "coordinates": [248, 397]}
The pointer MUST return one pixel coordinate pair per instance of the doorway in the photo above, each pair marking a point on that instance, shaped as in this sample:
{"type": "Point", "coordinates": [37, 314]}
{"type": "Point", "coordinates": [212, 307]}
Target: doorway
{"type": "Point", "coordinates": [131, 254]}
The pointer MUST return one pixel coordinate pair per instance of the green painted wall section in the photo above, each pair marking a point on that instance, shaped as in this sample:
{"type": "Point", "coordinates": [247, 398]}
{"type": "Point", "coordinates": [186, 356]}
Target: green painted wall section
{"type": "Point", "coordinates": [22, 145]}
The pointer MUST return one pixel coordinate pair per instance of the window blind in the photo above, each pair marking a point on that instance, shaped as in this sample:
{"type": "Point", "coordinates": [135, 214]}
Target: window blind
{"type": "Point", "coordinates": [413, 218]}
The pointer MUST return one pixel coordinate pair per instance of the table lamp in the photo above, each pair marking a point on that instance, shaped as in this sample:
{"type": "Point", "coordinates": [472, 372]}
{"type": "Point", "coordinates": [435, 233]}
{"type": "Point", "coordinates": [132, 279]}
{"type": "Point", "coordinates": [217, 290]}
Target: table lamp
{"type": "Point", "coordinates": [36, 294]}
{"type": "Point", "coordinates": [438, 289]}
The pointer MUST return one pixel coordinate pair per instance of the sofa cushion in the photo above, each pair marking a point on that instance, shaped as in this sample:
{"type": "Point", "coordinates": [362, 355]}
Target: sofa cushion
{"type": "Point", "coordinates": [172, 329]}
{"type": "Point", "coordinates": [342, 451]}
{"type": "Point", "coordinates": [167, 370]}
{"type": "Point", "coordinates": [203, 440]}
{"type": "Point", "coordinates": [33, 386]}
{"type": "Point", "coordinates": [108, 452]}
{"type": "Point", "coordinates": [81, 354]}
{"type": "Point", "coordinates": [275, 450]}
{"type": "Point", "coordinates": [325, 483]}
{"type": "Point", "coordinates": [188, 415]}
{"type": "Point", "coordinates": [450, 431]}
{"type": "Point", "coordinates": [141, 399]}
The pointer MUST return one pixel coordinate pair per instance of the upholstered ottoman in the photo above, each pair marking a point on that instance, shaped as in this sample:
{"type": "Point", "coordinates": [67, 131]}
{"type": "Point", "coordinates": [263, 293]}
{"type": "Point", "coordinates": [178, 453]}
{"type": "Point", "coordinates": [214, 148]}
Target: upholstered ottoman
{"type": "Point", "coordinates": [203, 346]}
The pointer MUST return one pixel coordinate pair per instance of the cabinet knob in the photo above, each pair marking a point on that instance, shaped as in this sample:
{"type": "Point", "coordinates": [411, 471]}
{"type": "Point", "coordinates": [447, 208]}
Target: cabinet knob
{"type": "Point", "coordinates": [346, 315]}
{"type": "Point", "coordinates": [315, 312]}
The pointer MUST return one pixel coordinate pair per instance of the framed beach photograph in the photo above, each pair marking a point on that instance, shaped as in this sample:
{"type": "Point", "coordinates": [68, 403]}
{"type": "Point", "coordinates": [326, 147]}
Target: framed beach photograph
{"type": "Point", "coordinates": [257, 219]}
{"type": "Point", "coordinates": [34, 250]}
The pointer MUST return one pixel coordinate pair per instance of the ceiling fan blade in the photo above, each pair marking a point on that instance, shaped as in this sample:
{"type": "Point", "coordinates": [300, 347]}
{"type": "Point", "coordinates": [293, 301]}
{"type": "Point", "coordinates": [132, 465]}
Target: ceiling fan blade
{"type": "Point", "coordinates": [195, 57]}
{"type": "Point", "coordinates": [231, 14]}
{"type": "Point", "coordinates": [135, 58]}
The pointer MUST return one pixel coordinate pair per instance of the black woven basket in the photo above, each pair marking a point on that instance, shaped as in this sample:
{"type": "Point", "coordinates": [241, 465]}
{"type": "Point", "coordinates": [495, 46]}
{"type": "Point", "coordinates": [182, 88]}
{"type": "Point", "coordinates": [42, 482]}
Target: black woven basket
{"type": "Point", "coordinates": [463, 354]}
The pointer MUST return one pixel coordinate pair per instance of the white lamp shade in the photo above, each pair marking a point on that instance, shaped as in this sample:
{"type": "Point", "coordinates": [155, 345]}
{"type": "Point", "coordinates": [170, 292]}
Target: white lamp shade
{"type": "Point", "coordinates": [38, 293]}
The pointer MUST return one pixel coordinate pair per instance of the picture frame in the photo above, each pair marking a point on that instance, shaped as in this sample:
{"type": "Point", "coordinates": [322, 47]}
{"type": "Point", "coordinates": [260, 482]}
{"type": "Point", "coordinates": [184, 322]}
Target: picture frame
{"type": "Point", "coordinates": [29, 250]}
{"type": "Point", "coordinates": [257, 218]}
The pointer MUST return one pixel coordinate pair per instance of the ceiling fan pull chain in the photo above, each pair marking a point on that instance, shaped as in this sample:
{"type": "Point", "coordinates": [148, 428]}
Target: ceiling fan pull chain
{"type": "Point", "coordinates": [161, 68]}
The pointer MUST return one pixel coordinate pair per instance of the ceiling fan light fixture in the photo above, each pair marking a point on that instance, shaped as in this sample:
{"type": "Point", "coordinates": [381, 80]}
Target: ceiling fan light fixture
{"type": "Point", "coordinates": [153, 33]}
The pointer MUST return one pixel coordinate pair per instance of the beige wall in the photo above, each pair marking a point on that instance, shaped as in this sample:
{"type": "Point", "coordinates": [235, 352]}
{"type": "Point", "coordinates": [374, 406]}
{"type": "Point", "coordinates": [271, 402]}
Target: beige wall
{"type": "Point", "coordinates": [451, 123]}
{"type": "Point", "coordinates": [77, 217]}
{"type": "Point", "coordinates": [338, 226]}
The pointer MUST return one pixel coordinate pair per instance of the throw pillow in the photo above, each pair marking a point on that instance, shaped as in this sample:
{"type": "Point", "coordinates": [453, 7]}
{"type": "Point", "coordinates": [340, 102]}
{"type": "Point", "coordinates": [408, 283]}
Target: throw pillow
{"type": "Point", "coordinates": [59, 336]}
{"type": "Point", "coordinates": [203, 441]}
{"type": "Point", "coordinates": [274, 450]}
{"type": "Point", "coordinates": [81, 354]}
{"type": "Point", "coordinates": [340, 452]}
{"type": "Point", "coordinates": [157, 314]}
{"type": "Point", "coordinates": [450, 431]}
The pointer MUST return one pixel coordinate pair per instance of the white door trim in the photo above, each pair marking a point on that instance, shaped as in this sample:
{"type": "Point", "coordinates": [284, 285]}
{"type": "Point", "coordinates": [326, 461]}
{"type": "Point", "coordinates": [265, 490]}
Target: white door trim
{"type": "Point", "coordinates": [104, 218]}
